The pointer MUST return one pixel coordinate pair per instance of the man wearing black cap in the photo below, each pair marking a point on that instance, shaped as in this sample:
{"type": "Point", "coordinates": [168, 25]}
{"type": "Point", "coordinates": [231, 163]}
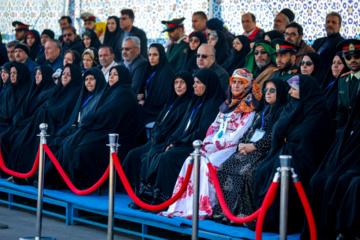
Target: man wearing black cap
{"type": "Point", "coordinates": [326, 46]}
{"type": "Point", "coordinates": [22, 55]}
{"type": "Point", "coordinates": [282, 19]}
{"type": "Point", "coordinates": [177, 49]}
{"type": "Point", "coordinates": [348, 82]}
{"type": "Point", "coordinates": [128, 30]}
{"type": "Point", "coordinates": [20, 30]}
{"type": "Point", "coordinates": [46, 35]}
{"type": "Point", "coordinates": [285, 59]}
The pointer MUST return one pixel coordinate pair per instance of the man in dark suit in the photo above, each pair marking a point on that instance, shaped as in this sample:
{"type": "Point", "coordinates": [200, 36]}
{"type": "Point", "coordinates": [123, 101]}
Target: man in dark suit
{"type": "Point", "coordinates": [348, 82]}
{"type": "Point", "coordinates": [127, 30]}
{"type": "Point", "coordinates": [326, 46]}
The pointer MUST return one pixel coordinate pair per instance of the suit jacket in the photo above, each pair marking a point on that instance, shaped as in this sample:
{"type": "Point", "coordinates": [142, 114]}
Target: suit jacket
{"type": "Point", "coordinates": [77, 45]}
{"type": "Point", "coordinates": [303, 51]}
{"type": "Point", "coordinates": [265, 75]}
{"type": "Point", "coordinates": [328, 52]}
{"type": "Point", "coordinates": [222, 75]}
{"type": "Point", "coordinates": [137, 32]}
{"type": "Point", "coordinates": [138, 69]}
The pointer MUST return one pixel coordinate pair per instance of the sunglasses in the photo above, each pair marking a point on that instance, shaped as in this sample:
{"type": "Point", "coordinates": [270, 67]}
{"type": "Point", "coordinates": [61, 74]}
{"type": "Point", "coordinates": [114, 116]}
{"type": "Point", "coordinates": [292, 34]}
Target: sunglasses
{"type": "Point", "coordinates": [356, 56]}
{"type": "Point", "coordinates": [67, 35]}
{"type": "Point", "coordinates": [271, 90]}
{"type": "Point", "coordinates": [308, 63]}
{"type": "Point", "coordinates": [261, 52]}
{"type": "Point", "coordinates": [195, 40]}
{"type": "Point", "coordinates": [204, 56]}
{"type": "Point", "coordinates": [126, 49]}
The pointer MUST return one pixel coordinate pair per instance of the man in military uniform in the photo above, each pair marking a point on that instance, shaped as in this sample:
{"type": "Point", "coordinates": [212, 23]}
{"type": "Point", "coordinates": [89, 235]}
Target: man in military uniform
{"type": "Point", "coordinates": [285, 59]}
{"type": "Point", "coordinates": [348, 82]}
{"type": "Point", "coordinates": [89, 24]}
{"type": "Point", "coordinates": [20, 30]}
{"type": "Point", "coordinates": [177, 48]}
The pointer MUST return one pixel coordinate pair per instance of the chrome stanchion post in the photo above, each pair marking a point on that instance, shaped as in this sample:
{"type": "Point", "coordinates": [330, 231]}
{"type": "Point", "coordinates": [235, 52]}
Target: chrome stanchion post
{"type": "Point", "coordinates": [284, 194]}
{"type": "Point", "coordinates": [197, 144]}
{"type": "Point", "coordinates": [43, 128]}
{"type": "Point", "coordinates": [113, 144]}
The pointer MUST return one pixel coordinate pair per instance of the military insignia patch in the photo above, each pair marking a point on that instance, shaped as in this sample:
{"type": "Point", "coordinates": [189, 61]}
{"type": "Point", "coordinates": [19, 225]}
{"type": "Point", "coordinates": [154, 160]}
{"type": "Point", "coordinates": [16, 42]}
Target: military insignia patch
{"type": "Point", "coordinates": [351, 47]}
{"type": "Point", "coordinates": [277, 47]}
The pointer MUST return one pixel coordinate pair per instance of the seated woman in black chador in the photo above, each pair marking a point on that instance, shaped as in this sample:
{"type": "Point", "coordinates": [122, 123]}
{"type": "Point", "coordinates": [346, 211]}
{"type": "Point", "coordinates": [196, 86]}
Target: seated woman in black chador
{"type": "Point", "coordinates": [305, 131]}
{"type": "Point", "coordinates": [101, 109]}
{"type": "Point", "coordinates": [312, 65]}
{"type": "Point", "coordinates": [14, 95]}
{"type": "Point", "coordinates": [72, 57]}
{"type": "Point", "coordinates": [217, 39]}
{"type": "Point", "coordinates": [328, 185]}
{"type": "Point", "coordinates": [167, 122]}
{"type": "Point", "coordinates": [161, 165]}
{"type": "Point", "coordinates": [40, 91]}
{"type": "Point", "coordinates": [55, 112]}
{"type": "Point", "coordinates": [236, 174]}
{"type": "Point", "coordinates": [5, 79]}
{"type": "Point", "coordinates": [330, 86]}
{"type": "Point", "coordinates": [90, 40]}
{"type": "Point", "coordinates": [154, 91]}
{"type": "Point", "coordinates": [241, 47]}
{"type": "Point", "coordinates": [195, 40]}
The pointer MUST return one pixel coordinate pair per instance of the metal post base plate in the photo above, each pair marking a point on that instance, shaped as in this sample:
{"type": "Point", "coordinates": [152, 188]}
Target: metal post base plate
{"type": "Point", "coordinates": [37, 238]}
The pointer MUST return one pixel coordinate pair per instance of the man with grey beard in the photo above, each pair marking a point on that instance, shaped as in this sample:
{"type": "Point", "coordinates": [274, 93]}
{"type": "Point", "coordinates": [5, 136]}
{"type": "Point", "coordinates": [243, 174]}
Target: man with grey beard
{"type": "Point", "coordinates": [260, 62]}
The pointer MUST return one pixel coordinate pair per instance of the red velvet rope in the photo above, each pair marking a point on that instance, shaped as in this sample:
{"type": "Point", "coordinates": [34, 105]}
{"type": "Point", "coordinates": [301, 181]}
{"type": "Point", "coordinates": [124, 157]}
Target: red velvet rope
{"type": "Point", "coordinates": [20, 175]}
{"type": "Point", "coordinates": [269, 198]}
{"type": "Point", "coordinates": [309, 214]}
{"type": "Point", "coordinates": [222, 202]}
{"type": "Point", "coordinates": [141, 203]}
{"type": "Point", "coordinates": [68, 181]}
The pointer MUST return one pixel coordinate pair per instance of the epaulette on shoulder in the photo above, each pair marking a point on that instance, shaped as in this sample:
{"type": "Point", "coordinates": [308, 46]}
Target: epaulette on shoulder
{"type": "Point", "coordinates": [275, 70]}
{"type": "Point", "coordinates": [345, 74]}
{"type": "Point", "coordinates": [294, 70]}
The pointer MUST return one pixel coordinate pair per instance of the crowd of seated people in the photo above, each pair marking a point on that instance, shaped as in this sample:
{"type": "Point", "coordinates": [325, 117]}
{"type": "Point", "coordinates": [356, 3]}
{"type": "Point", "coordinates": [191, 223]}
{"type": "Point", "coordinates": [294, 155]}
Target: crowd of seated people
{"type": "Point", "coordinates": [250, 98]}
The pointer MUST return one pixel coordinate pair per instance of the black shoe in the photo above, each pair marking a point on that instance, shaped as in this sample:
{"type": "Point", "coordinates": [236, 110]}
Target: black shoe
{"type": "Point", "coordinates": [134, 206]}
{"type": "Point", "coordinates": [3, 226]}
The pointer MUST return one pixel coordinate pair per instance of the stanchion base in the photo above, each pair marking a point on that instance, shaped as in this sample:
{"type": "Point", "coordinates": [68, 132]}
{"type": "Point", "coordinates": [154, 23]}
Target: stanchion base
{"type": "Point", "coordinates": [37, 238]}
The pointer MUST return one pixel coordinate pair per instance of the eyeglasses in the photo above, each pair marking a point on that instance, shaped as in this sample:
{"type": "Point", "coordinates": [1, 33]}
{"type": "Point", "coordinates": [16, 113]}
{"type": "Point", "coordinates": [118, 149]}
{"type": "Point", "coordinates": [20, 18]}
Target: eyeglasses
{"type": "Point", "coordinates": [260, 52]}
{"type": "Point", "coordinates": [126, 48]}
{"type": "Point", "coordinates": [356, 56]}
{"type": "Point", "coordinates": [195, 40]}
{"type": "Point", "coordinates": [290, 34]}
{"type": "Point", "coordinates": [271, 90]}
{"type": "Point", "coordinates": [67, 35]}
{"type": "Point", "coordinates": [307, 63]}
{"type": "Point", "coordinates": [204, 56]}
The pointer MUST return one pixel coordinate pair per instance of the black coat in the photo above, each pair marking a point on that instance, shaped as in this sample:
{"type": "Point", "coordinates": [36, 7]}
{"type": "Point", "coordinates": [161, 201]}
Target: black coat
{"type": "Point", "coordinates": [327, 54]}
{"type": "Point", "coordinates": [77, 45]}
{"type": "Point", "coordinates": [138, 70]}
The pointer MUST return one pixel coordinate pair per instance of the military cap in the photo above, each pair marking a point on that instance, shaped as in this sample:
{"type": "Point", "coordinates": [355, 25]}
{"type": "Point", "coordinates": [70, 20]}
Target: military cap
{"type": "Point", "coordinates": [282, 46]}
{"type": "Point", "coordinates": [349, 46]}
{"type": "Point", "coordinates": [86, 16]}
{"type": "Point", "coordinates": [20, 26]}
{"type": "Point", "coordinates": [173, 24]}
{"type": "Point", "coordinates": [287, 12]}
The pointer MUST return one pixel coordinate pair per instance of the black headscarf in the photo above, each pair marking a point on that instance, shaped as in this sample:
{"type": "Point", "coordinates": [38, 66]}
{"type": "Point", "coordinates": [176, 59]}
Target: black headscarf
{"type": "Point", "coordinates": [111, 38]}
{"type": "Point", "coordinates": [174, 109]}
{"type": "Point", "coordinates": [305, 131]}
{"type": "Point", "coordinates": [157, 85]}
{"type": "Point", "coordinates": [222, 48]}
{"type": "Point", "coordinates": [95, 43]}
{"type": "Point", "coordinates": [202, 109]}
{"type": "Point", "coordinates": [274, 109]}
{"type": "Point", "coordinates": [38, 94]}
{"type": "Point", "coordinates": [319, 70]}
{"type": "Point", "coordinates": [237, 58]}
{"type": "Point", "coordinates": [76, 56]}
{"type": "Point", "coordinates": [274, 34]}
{"type": "Point", "coordinates": [35, 48]}
{"type": "Point", "coordinates": [330, 86]}
{"type": "Point", "coordinates": [189, 64]}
